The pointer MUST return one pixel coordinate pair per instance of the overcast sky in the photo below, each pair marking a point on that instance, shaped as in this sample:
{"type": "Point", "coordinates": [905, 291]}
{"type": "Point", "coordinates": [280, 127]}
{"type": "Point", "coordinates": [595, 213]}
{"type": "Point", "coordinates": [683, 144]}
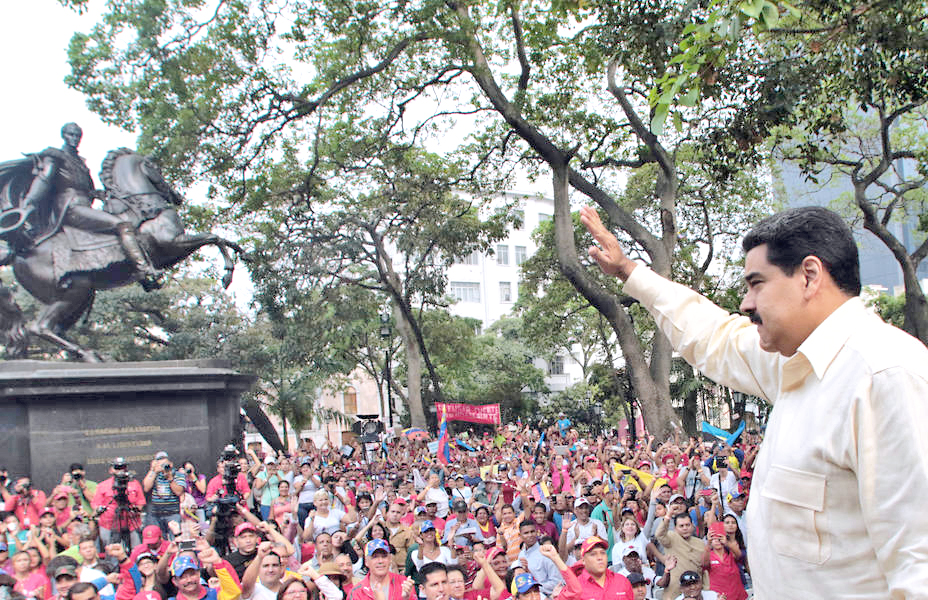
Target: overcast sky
{"type": "Point", "coordinates": [35, 102]}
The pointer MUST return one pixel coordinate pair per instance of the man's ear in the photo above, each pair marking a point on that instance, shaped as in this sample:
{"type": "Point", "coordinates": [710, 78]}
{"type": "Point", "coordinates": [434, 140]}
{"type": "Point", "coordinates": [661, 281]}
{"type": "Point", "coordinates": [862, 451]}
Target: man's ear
{"type": "Point", "coordinates": [813, 273]}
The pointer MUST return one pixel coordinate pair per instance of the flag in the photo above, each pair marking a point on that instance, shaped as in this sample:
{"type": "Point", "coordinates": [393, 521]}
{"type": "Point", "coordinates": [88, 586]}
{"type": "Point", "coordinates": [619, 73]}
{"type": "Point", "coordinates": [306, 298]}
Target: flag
{"type": "Point", "coordinates": [444, 452]}
{"type": "Point", "coordinates": [541, 443]}
{"type": "Point", "coordinates": [465, 446]}
{"type": "Point", "coordinates": [710, 433]}
{"type": "Point", "coordinates": [540, 491]}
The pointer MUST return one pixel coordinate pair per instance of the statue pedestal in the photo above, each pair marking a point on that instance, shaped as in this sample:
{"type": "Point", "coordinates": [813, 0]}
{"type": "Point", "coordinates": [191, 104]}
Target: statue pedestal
{"type": "Point", "coordinates": [53, 414]}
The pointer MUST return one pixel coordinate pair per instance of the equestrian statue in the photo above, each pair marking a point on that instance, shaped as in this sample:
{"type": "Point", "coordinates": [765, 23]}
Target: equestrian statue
{"type": "Point", "coordinates": [63, 250]}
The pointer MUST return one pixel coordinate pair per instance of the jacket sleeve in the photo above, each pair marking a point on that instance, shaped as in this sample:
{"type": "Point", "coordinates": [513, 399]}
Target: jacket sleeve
{"type": "Point", "coordinates": [130, 580]}
{"type": "Point", "coordinates": [572, 589]}
{"type": "Point", "coordinates": [229, 586]}
{"type": "Point", "coordinates": [722, 346]}
{"type": "Point", "coordinates": [329, 590]}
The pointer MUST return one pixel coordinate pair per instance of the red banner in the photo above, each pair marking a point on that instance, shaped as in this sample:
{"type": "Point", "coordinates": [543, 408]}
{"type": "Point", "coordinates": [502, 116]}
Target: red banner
{"type": "Point", "coordinates": [473, 413]}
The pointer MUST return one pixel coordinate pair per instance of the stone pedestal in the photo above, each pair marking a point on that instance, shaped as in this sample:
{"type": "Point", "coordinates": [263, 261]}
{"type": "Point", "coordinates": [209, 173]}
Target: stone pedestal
{"type": "Point", "coordinates": [53, 414]}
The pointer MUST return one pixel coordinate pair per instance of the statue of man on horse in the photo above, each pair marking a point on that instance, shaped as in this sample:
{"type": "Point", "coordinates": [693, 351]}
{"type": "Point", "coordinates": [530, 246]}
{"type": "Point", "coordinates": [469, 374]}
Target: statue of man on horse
{"type": "Point", "coordinates": [61, 193]}
{"type": "Point", "coordinates": [63, 250]}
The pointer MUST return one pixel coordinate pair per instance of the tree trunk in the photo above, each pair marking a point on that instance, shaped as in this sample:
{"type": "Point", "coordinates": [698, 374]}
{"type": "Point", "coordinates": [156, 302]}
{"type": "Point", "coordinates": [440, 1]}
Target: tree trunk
{"type": "Point", "coordinates": [915, 311]}
{"type": "Point", "coordinates": [655, 403]}
{"type": "Point", "coordinates": [413, 370]}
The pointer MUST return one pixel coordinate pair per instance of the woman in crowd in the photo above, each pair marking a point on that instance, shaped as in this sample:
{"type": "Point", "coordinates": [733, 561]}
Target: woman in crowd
{"type": "Point", "coordinates": [30, 582]}
{"type": "Point", "coordinates": [429, 549]}
{"type": "Point", "coordinates": [721, 565]}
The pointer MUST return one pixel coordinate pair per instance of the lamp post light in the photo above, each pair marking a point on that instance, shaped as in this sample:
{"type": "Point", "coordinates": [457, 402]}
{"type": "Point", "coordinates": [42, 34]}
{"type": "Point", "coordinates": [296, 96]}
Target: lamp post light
{"type": "Point", "coordinates": [386, 333]}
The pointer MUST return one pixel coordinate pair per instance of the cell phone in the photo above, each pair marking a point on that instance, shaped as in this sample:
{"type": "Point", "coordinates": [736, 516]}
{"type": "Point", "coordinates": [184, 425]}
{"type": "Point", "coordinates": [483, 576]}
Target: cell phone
{"type": "Point", "coordinates": [626, 471]}
{"type": "Point", "coordinates": [706, 492]}
{"type": "Point", "coordinates": [185, 545]}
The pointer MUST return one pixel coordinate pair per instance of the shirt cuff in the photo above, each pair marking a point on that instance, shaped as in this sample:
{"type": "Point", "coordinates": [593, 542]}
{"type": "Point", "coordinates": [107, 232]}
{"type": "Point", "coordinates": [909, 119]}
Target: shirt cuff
{"type": "Point", "coordinates": [641, 285]}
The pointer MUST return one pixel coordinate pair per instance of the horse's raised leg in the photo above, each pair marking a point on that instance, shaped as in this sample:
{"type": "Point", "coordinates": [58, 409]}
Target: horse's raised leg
{"type": "Point", "coordinates": [54, 316]}
{"type": "Point", "coordinates": [187, 243]}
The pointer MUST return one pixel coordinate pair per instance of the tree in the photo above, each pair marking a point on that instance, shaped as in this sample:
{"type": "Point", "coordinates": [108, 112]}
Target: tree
{"type": "Point", "coordinates": [212, 99]}
{"type": "Point", "coordinates": [843, 93]}
{"type": "Point", "coordinates": [393, 228]}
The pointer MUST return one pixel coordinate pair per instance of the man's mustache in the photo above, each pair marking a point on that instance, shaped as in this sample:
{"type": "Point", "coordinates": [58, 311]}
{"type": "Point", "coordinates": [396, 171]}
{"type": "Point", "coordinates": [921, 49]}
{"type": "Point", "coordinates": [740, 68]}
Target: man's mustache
{"type": "Point", "coordinates": [755, 318]}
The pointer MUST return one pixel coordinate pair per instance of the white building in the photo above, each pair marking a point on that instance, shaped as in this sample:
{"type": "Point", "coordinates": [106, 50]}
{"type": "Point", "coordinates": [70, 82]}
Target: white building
{"type": "Point", "coordinates": [487, 286]}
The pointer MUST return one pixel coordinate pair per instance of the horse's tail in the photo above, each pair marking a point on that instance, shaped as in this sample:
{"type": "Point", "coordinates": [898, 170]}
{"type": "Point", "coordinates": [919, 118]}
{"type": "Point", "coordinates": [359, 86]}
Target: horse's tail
{"type": "Point", "coordinates": [12, 325]}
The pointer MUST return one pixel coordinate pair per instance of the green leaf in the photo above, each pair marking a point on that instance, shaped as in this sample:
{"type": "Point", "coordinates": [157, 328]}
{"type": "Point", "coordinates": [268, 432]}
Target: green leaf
{"type": "Point", "coordinates": [752, 8]}
{"type": "Point", "coordinates": [660, 115]}
{"type": "Point", "coordinates": [770, 15]}
{"type": "Point", "coordinates": [678, 121]}
{"type": "Point", "coordinates": [691, 97]}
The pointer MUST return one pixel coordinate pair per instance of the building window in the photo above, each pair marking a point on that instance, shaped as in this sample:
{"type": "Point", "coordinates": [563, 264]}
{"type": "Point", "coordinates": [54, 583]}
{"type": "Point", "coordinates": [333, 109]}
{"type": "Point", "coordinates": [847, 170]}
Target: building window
{"type": "Point", "coordinates": [505, 291]}
{"type": "Point", "coordinates": [521, 254]}
{"type": "Point", "coordinates": [502, 254]}
{"type": "Point", "coordinates": [556, 366]}
{"type": "Point", "coordinates": [471, 259]}
{"type": "Point", "coordinates": [465, 291]}
{"type": "Point", "coordinates": [543, 218]}
{"type": "Point", "coordinates": [351, 401]}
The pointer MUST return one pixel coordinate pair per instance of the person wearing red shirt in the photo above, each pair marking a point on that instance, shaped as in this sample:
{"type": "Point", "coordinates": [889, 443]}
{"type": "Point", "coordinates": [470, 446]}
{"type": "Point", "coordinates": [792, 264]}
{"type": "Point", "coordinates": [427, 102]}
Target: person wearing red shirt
{"type": "Point", "coordinates": [25, 503]}
{"type": "Point", "coordinates": [152, 543]}
{"type": "Point", "coordinates": [105, 498]}
{"type": "Point", "coordinates": [590, 579]}
{"type": "Point", "coordinates": [216, 489]}
{"type": "Point", "coordinates": [389, 586]}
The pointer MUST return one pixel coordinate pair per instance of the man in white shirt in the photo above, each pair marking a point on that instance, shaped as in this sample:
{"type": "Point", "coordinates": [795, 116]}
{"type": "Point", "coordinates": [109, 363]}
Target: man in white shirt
{"type": "Point", "coordinates": [835, 500]}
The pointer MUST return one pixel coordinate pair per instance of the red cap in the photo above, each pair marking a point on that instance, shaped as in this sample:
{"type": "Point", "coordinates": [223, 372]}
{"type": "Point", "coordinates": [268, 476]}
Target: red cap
{"type": "Point", "coordinates": [592, 542]}
{"type": "Point", "coordinates": [667, 457]}
{"type": "Point", "coordinates": [492, 552]}
{"type": "Point", "coordinates": [147, 595]}
{"type": "Point", "coordinates": [151, 534]}
{"type": "Point", "coordinates": [243, 527]}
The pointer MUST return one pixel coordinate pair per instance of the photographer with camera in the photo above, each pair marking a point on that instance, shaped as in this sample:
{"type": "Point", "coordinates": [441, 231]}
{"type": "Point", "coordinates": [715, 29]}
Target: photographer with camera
{"type": "Point", "coordinates": [79, 489]}
{"type": "Point", "coordinates": [27, 504]}
{"type": "Point", "coordinates": [166, 486]}
{"type": "Point", "coordinates": [123, 495]}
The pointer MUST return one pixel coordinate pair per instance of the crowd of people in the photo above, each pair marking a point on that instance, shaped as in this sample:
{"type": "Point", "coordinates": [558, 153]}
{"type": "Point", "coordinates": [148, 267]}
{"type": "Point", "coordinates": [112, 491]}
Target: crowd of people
{"type": "Point", "coordinates": [515, 513]}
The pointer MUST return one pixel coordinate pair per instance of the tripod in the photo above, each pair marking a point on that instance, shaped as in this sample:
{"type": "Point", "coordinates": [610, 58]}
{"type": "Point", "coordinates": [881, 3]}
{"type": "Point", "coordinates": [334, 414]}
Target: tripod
{"type": "Point", "coordinates": [122, 519]}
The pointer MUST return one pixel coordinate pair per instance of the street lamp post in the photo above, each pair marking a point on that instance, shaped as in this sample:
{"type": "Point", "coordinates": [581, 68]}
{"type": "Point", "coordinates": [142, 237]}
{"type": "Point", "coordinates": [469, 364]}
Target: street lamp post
{"type": "Point", "coordinates": [386, 333]}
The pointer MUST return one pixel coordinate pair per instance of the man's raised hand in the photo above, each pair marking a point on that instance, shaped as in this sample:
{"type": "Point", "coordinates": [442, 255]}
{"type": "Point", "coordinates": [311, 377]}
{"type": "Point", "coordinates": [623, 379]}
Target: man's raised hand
{"type": "Point", "coordinates": [608, 255]}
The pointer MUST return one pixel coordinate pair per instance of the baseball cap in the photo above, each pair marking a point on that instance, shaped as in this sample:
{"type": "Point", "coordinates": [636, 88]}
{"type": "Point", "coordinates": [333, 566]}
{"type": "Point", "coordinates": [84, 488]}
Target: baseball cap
{"type": "Point", "coordinates": [161, 454]}
{"type": "Point", "coordinates": [426, 526]}
{"type": "Point", "coordinates": [667, 457]}
{"type": "Point", "coordinates": [459, 505]}
{"type": "Point", "coordinates": [145, 556]}
{"type": "Point", "coordinates": [147, 595]}
{"type": "Point", "coordinates": [580, 502]}
{"type": "Point", "coordinates": [270, 460]}
{"type": "Point", "coordinates": [59, 494]}
{"type": "Point", "coordinates": [375, 546]}
{"type": "Point", "coordinates": [3, 547]}
{"type": "Point", "coordinates": [493, 552]}
{"type": "Point", "coordinates": [119, 462]}
{"type": "Point", "coordinates": [690, 577]}
{"type": "Point", "coordinates": [630, 550]}
{"type": "Point", "coordinates": [676, 497]}
{"type": "Point", "coordinates": [47, 511]}
{"type": "Point", "coordinates": [522, 583]}
{"type": "Point", "coordinates": [182, 564]}
{"type": "Point", "coordinates": [420, 509]}
{"type": "Point", "coordinates": [243, 527]}
{"type": "Point", "coordinates": [734, 496]}
{"type": "Point", "coordinates": [592, 542]}
{"type": "Point", "coordinates": [151, 534]}
{"type": "Point", "coordinates": [65, 569]}
{"type": "Point", "coordinates": [636, 579]}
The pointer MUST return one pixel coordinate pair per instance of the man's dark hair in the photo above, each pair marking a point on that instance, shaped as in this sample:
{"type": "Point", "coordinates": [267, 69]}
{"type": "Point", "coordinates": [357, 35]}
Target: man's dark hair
{"type": "Point", "coordinates": [76, 467]}
{"type": "Point", "coordinates": [794, 234]}
{"type": "Point", "coordinates": [685, 514]}
{"type": "Point", "coordinates": [79, 588]}
{"type": "Point", "coordinates": [432, 567]}
{"type": "Point", "coordinates": [457, 568]}
{"type": "Point", "coordinates": [527, 523]}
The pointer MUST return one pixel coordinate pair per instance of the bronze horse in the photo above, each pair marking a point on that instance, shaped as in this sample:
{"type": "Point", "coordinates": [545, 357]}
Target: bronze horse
{"type": "Point", "coordinates": [135, 189]}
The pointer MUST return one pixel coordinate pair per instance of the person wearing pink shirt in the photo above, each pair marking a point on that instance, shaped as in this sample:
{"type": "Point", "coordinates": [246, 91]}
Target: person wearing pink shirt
{"type": "Point", "coordinates": [591, 578]}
